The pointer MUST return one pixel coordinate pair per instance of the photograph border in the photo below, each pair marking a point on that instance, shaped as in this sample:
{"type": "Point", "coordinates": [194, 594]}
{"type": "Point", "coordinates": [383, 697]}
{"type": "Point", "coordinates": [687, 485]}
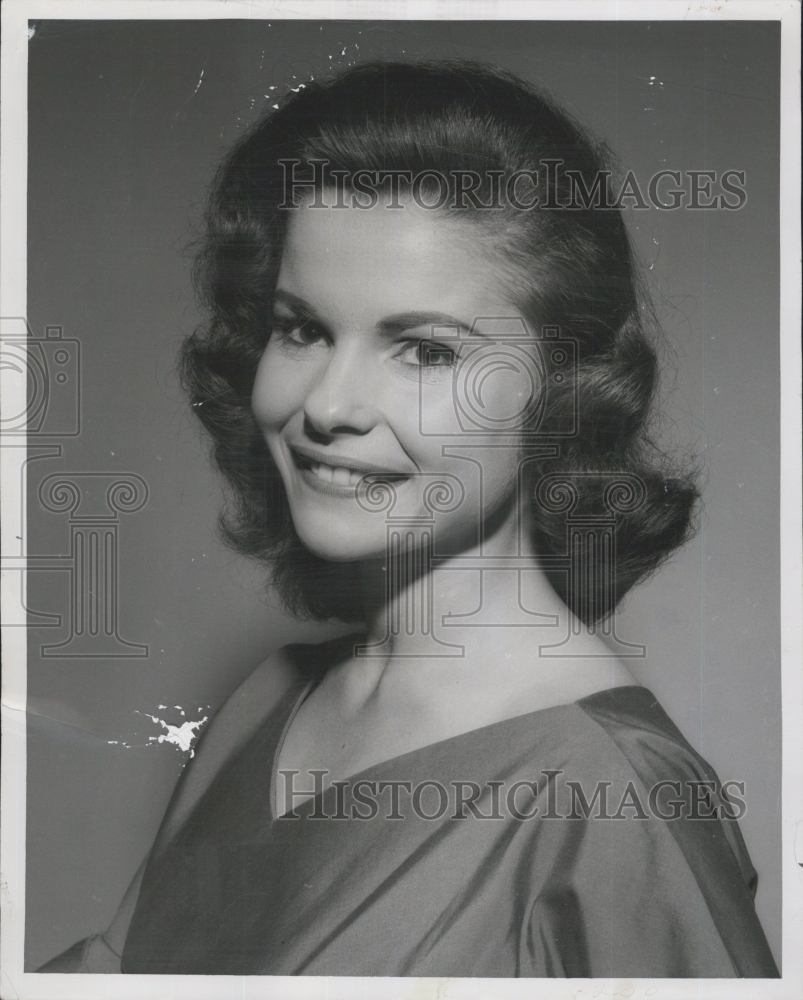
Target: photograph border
{"type": "Point", "coordinates": [14, 982]}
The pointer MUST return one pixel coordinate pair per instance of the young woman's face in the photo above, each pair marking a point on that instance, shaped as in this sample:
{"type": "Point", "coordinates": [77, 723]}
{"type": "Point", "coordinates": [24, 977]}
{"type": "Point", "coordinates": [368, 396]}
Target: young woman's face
{"type": "Point", "coordinates": [392, 338]}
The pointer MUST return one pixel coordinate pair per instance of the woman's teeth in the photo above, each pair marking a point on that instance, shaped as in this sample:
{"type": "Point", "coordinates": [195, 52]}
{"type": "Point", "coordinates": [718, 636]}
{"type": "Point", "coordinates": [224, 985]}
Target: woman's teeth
{"type": "Point", "coordinates": [336, 474]}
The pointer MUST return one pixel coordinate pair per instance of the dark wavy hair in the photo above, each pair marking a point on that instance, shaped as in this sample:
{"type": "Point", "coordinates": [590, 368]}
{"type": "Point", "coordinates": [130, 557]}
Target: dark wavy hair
{"type": "Point", "coordinates": [572, 268]}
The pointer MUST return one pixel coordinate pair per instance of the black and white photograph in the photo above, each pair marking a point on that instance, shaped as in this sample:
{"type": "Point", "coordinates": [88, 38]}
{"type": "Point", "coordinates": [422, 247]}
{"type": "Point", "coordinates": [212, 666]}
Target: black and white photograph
{"type": "Point", "coordinates": [401, 500]}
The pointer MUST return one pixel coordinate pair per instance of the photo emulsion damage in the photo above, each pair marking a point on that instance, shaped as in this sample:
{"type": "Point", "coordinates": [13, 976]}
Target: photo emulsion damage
{"type": "Point", "coordinates": [398, 539]}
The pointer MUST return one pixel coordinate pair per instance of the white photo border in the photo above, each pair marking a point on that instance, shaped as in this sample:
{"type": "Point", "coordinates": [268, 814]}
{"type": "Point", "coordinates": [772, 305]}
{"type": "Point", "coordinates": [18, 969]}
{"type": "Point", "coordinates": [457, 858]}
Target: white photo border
{"type": "Point", "coordinates": [16, 983]}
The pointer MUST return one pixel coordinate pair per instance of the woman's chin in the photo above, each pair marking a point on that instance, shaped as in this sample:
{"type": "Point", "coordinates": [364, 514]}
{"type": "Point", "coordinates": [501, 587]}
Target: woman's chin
{"type": "Point", "coordinates": [341, 549]}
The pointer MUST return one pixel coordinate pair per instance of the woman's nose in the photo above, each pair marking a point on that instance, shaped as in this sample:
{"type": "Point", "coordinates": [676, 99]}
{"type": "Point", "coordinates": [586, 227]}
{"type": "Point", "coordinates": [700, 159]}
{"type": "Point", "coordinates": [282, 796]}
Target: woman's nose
{"type": "Point", "coordinates": [340, 401]}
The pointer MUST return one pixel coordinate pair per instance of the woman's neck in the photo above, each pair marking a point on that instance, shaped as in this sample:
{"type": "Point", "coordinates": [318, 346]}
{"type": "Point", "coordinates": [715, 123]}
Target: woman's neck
{"type": "Point", "coordinates": [436, 616]}
{"type": "Point", "coordinates": [476, 655]}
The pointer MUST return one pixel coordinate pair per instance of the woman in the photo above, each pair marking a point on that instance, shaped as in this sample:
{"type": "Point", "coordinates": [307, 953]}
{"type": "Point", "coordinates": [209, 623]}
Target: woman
{"type": "Point", "coordinates": [428, 380]}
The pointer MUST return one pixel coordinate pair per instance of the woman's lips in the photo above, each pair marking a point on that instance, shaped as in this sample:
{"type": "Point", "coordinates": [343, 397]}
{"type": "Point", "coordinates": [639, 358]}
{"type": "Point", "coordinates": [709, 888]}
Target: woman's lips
{"type": "Point", "coordinates": [339, 472]}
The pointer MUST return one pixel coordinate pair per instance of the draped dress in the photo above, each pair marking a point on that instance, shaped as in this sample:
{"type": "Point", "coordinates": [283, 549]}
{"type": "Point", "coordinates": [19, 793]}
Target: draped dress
{"type": "Point", "coordinates": [583, 840]}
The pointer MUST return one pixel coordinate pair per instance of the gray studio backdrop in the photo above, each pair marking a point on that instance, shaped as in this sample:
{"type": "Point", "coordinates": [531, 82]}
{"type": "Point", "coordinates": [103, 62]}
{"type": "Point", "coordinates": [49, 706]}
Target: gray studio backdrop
{"type": "Point", "coordinates": [127, 121]}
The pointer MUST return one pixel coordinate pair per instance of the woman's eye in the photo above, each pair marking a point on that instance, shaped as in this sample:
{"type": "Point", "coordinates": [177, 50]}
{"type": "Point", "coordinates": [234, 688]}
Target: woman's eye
{"type": "Point", "coordinates": [428, 354]}
{"type": "Point", "coordinates": [302, 333]}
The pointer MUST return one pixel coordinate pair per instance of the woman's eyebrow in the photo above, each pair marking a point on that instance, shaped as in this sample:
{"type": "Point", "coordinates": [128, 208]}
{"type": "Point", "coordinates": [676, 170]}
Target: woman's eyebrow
{"type": "Point", "coordinates": [400, 322]}
{"type": "Point", "coordinates": [391, 325]}
{"type": "Point", "coordinates": [280, 297]}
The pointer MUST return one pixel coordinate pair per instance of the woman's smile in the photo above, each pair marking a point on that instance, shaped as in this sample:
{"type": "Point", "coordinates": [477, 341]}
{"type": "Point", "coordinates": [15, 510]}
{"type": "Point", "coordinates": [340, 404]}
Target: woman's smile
{"type": "Point", "coordinates": [336, 475]}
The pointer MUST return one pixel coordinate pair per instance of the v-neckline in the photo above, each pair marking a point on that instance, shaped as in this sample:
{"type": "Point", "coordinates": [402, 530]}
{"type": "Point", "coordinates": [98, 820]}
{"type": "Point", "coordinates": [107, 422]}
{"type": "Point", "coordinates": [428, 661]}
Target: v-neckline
{"type": "Point", "coordinates": [308, 688]}
{"type": "Point", "coordinates": [305, 691]}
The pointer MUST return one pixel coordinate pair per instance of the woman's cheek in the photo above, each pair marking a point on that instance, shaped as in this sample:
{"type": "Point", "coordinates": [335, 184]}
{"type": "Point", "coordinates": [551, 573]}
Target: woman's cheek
{"type": "Point", "coordinates": [276, 395]}
{"type": "Point", "coordinates": [435, 411]}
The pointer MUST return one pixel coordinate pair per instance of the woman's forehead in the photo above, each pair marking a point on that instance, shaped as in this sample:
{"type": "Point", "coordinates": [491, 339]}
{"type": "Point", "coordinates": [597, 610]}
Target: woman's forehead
{"type": "Point", "coordinates": [389, 259]}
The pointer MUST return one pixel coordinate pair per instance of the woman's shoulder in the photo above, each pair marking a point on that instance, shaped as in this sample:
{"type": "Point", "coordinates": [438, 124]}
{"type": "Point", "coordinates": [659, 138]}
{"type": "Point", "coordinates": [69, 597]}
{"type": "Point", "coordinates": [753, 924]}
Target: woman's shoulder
{"type": "Point", "coordinates": [664, 778]}
{"type": "Point", "coordinates": [624, 730]}
{"type": "Point", "coordinates": [290, 667]}
{"type": "Point", "coordinates": [288, 670]}
{"type": "Point", "coordinates": [642, 798]}
{"type": "Point", "coordinates": [632, 719]}
{"type": "Point", "coordinates": [624, 722]}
